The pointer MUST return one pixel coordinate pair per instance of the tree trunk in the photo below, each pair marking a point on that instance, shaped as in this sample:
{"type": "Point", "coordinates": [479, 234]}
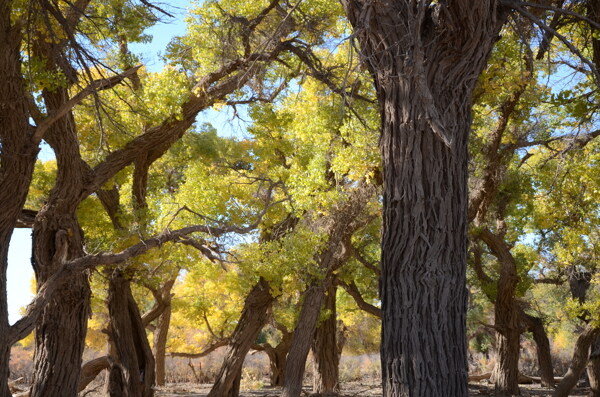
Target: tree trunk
{"type": "Point", "coordinates": [506, 371]}
{"type": "Point", "coordinates": [253, 318]}
{"type": "Point", "coordinates": [536, 327]}
{"type": "Point", "coordinates": [580, 358]}
{"type": "Point", "coordinates": [303, 336]}
{"type": "Point", "coordinates": [162, 332]}
{"type": "Point", "coordinates": [425, 59]}
{"type": "Point", "coordinates": [17, 159]}
{"type": "Point", "coordinates": [61, 329]}
{"type": "Point", "coordinates": [325, 349]}
{"type": "Point", "coordinates": [160, 344]}
{"type": "Point", "coordinates": [593, 369]}
{"type": "Point", "coordinates": [131, 371]}
{"type": "Point", "coordinates": [278, 357]}
{"type": "Point", "coordinates": [57, 237]}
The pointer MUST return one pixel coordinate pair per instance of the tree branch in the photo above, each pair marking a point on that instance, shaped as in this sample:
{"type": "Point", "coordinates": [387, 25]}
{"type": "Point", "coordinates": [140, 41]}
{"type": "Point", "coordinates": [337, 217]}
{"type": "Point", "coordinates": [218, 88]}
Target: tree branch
{"type": "Point", "coordinates": [94, 86]}
{"type": "Point", "coordinates": [211, 348]}
{"type": "Point", "coordinates": [353, 291]}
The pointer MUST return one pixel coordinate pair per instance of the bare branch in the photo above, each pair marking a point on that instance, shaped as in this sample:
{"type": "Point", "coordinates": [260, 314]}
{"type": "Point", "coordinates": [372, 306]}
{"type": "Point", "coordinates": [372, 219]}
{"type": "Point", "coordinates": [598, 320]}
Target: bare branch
{"type": "Point", "coordinates": [548, 7]}
{"type": "Point", "coordinates": [562, 38]}
{"type": "Point", "coordinates": [205, 352]}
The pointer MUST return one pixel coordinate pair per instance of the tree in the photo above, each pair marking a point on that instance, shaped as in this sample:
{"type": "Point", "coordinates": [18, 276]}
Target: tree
{"type": "Point", "coordinates": [52, 36]}
{"type": "Point", "coordinates": [424, 58]}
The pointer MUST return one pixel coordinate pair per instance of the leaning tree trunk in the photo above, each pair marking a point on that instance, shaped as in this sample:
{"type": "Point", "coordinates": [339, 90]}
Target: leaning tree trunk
{"type": "Point", "coordinates": [593, 369]}
{"type": "Point", "coordinates": [580, 358]}
{"type": "Point", "coordinates": [131, 371]}
{"type": "Point", "coordinates": [425, 58]}
{"type": "Point", "coordinates": [540, 337]}
{"type": "Point", "coordinates": [253, 318]}
{"type": "Point", "coordinates": [303, 336]}
{"type": "Point", "coordinates": [278, 361]}
{"type": "Point", "coordinates": [17, 159]}
{"type": "Point", "coordinates": [325, 349]}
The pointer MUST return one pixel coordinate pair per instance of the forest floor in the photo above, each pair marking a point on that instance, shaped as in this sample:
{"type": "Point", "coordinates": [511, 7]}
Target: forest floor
{"type": "Point", "coordinates": [351, 389]}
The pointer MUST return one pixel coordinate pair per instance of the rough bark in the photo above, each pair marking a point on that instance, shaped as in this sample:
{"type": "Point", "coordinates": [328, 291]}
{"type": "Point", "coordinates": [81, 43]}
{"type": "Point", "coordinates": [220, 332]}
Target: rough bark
{"type": "Point", "coordinates": [540, 337]}
{"type": "Point", "coordinates": [17, 159]}
{"type": "Point", "coordinates": [162, 331]}
{"type": "Point", "coordinates": [580, 358]}
{"type": "Point", "coordinates": [506, 371]}
{"type": "Point", "coordinates": [91, 369]}
{"type": "Point", "coordinates": [325, 349]}
{"type": "Point", "coordinates": [277, 356]}
{"type": "Point", "coordinates": [593, 369]}
{"type": "Point", "coordinates": [425, 59]}
{"type": "Point", "coordinates": [131, 372]}
{"type": "Point", "coordinates": [253, 318]}
{"type": "Point", "coordinates": [61, 329]}
{"type": "Point", "coordinates": [301, 342]}
{"type": "Point", "coordinates": [506, 318]}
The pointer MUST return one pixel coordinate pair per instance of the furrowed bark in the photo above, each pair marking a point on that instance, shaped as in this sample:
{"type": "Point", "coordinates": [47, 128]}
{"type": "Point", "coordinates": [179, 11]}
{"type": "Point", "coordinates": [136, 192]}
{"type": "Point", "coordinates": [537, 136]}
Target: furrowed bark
{"type": "Point", "coordinates": [593, 369]}
{"type": "Point", "coordinates": [325, 349]}
{"type": "Point", "coordinates": [303, 336]}
{"type": "Point", "coordinates": [253, 318]}
{"type": "Point", "coordinates": [62, 325]}
{"type": "Point", "coordinates": [506, 318]}
{"type": "Point", "coordinates": [131, 371]}
{"type": "Point", "coordinates": [425, 59]}
{"type": "Point", "coordinates": [536, 327]}
{"type": "Point", "coordinates": [17, 159]}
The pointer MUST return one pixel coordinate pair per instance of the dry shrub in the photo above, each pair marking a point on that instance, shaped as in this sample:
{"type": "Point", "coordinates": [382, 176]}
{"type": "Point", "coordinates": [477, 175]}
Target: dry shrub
{"type": "Point", "coordinates": [21, 363]}
{"type": "Point", "coordinates": [359, 368]}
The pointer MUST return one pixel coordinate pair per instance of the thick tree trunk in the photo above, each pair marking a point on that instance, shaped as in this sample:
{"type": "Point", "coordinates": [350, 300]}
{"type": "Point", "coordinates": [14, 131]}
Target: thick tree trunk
{"type": "Point", "coordinates": [580, 358]}
{"type": "Point", "coordinates": [17, 159]}
{"type": "Point", "coordinates": [506, 372]}
{"type": "Point", "coordinates": [60, 339]}
{"type": "Point", "coordinates": [540, 337]}
{"type": "Point", "coordinates": [425, 59]}
{"type": "Point", "coordinates": [253, 318]}
{"type": "Point", "coordinates": [131, 372]}
{"type": "Point", "coordinates": [593, 369]}
{"type": "Point", "coordinates": [325, 349]}
{"type": "Point", "coordinates": [57, 237]}
{"type": "Point", "coordinates": [303, 336]}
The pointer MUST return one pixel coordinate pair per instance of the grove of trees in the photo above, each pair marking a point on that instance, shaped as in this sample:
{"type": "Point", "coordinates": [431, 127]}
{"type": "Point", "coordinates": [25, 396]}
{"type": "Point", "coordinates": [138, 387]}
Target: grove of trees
{"type": "Point", "coordinates": [424, 173]}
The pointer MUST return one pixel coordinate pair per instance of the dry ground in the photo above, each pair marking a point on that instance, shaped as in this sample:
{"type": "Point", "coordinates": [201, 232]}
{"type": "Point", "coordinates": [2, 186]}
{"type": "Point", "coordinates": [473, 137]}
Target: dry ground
{"type": "Point", "coordinates": [351, 389]}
